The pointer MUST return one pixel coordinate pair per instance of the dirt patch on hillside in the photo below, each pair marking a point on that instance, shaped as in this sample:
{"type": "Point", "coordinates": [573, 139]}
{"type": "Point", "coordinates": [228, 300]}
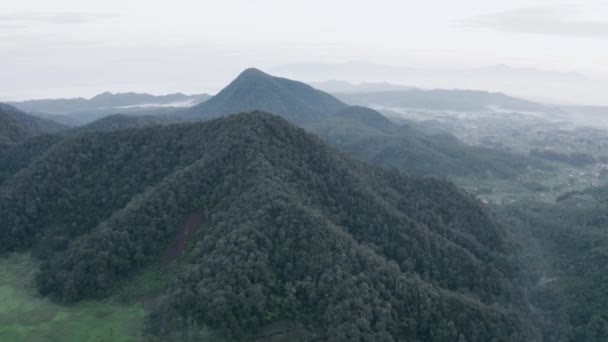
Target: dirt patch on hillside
{"type": "Point", "coordinates": [185, 233]}
{"type": "Point", "coordinates": [150, 303]}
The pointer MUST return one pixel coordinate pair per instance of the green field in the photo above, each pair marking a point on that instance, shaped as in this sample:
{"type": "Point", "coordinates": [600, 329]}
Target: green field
{"type": "Point", "coordinates": [26, 316]}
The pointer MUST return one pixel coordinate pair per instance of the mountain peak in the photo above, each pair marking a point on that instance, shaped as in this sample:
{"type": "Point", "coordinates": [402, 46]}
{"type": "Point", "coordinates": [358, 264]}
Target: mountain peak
{"type": "Point", "coordinates": [252, 72]}
{"type": "Point", "coordinates": [255, 90]}
{"type": "Point", "coordinates": [105, 94]}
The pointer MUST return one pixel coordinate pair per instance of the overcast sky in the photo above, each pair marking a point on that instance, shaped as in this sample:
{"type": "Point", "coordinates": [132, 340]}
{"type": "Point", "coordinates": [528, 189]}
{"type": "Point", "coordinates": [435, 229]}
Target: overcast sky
{"type": "Point", "coordinates": [68, 48]}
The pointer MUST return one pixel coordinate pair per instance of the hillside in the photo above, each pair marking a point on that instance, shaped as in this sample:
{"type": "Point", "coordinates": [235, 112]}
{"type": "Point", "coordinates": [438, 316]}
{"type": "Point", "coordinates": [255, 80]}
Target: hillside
{"type": "Point", "coordinates": [256, 90]}
{"type": "Point", "coordinates": [120, 121]}
{"type": "Point", "coordinates": [16, 126]}
{"type": "Point", "coordinates": [566, 248]}
{"type": "Point", "coordinates": [274, 226]}
{"type": "Point", "coordinates": [360, 132]}
{"type": "Point", "coordinates": [15, 157]}
{"type": "Point", "coordinates": [367, 135]}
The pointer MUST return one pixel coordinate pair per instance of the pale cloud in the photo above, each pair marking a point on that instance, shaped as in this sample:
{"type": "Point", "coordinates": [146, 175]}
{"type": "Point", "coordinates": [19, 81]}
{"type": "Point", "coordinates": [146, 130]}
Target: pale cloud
{"type": "Point", "coordinates": [30, 18]}
{"type": "Point", "coordinates": [559, 21]}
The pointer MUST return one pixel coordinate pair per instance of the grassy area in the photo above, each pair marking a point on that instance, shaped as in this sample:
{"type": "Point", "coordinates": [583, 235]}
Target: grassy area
{"type": "Point", "coordinates": [26, 316]}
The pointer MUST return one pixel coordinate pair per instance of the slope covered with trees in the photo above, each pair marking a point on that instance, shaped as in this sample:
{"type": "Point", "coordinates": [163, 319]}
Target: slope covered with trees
{"type": "Point", "coordinates": [361, 132]}
{"type": "Point", "coordinates": [17, 126]}
{"type": "Point", "coordinates": [367, 135]}
{"type": "Point", "coordinates": [15, 157]}
{"type": "Point", "coordinates": [290, 229]}
{"type": "Point", "coordinates": [566, 248]}
{"type": "Point", "coordinates": [120, 121]}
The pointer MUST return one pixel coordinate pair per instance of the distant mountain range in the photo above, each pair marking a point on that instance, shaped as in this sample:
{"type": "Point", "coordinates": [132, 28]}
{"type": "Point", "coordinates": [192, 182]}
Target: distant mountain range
{"type": "Point", "coordinates": [446, 100]}
{"type": "Point", "coordinates": [338, 87]}
{"type": "Point", "coordinates": [79, 110]}
{"type": "Point", "coordinates": [361, 132]}
{"type": "Point", "coordinates": [550, 86]}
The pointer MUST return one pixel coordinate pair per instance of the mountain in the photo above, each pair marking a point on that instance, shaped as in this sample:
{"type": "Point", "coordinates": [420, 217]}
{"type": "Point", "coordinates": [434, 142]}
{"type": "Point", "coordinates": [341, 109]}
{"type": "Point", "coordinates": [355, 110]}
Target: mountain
{"type": "Point", "coordinates": [16, 126]}
{"type": "Point", "coordinates": [108, 100]}
{"type": "Point", "coordinates": [257, 221]}
{"type": "Point", "coordinates": [256, 90]}
{"type": "Point", "coordinates": [334, 86]}
{"type": "Point", "coordinates": [120, 121]}
{"type": "Point", "coordinates": [447, 100]}
{"type": "Point", "coordinates": [361, 132]}
{"type": "Point", "coordinates": [78, 111]}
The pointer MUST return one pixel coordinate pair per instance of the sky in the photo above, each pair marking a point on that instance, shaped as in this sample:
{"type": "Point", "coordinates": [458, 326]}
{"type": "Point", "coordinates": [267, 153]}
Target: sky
{"type": "Point", "coordinates": [70, 48]}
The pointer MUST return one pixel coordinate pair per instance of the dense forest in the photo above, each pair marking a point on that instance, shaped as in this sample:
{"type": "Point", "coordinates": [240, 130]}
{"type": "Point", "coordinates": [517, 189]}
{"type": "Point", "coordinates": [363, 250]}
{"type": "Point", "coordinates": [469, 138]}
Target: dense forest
{"type": "Point", "coordinates": [566, 249]}
{"type": "Point", "coordinates": [289, 229]}
{"type": "Point", "coordinates": [17, 126]}
{"type": "Point", "coordinates": [118, 122]}
{"type": "Point", "coordinates": [255, 222]}
{"type": "Point", "coordinates": [15, 157]}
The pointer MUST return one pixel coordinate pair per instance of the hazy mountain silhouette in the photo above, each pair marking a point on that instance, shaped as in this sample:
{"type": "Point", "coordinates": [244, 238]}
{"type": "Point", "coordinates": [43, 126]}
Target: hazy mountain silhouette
{"type": "Point", "coordinates": [444, 99]}
{"type": "Point", "coordinates": [256, 90]}
{"type": "Point", "coordinates": [105, 100]}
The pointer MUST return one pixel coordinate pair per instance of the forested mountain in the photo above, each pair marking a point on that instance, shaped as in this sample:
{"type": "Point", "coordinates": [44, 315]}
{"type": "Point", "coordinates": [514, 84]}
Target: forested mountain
{"type": "Point", "coordinates": [359, 131]}
{"type": "Point", "coordinates": [256, 90]}
{"type": "Point", "coordinates": [16, 126]}
{"type": "Point", "coordinates": [444, 99]}
{"type": "Point", "coordinates": [120, 121]}
{"type": "Point", "coordinates": [14, 157]}
{"type": "Point", "coordinates": [269, 224]}
{"type": "Point", "coordinates": [566, 248]}
{"type": "Point", "coordinates": [367, 135]}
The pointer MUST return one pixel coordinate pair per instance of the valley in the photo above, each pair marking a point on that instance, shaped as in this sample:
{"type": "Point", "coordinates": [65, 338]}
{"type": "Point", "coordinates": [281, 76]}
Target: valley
{"type": "Point", "coordinates": [575, 150]}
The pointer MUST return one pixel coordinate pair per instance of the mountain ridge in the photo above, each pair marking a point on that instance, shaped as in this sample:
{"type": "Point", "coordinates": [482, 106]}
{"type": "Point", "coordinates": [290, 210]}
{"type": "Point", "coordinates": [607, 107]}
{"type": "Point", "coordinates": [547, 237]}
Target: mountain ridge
{"type": "Point", "coordinates": [16, 126]}
{"type": "Point", "coordinates": [101, 101]}
{"type": "Point", "coordinates": [285, 220]}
